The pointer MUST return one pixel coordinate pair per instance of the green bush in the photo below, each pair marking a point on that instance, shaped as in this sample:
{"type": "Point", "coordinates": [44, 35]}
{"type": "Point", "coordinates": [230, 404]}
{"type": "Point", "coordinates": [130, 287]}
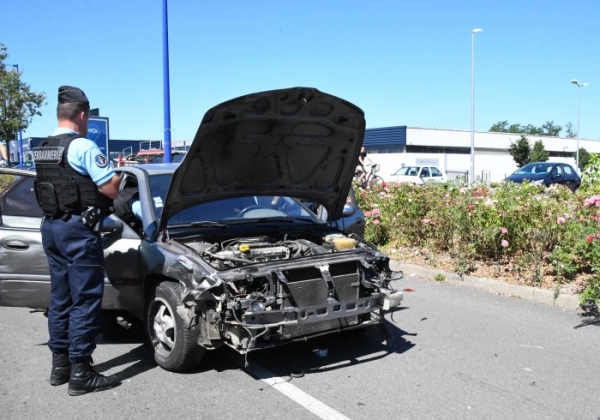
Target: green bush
{"type": "Point", "coordinates": [524, 226]}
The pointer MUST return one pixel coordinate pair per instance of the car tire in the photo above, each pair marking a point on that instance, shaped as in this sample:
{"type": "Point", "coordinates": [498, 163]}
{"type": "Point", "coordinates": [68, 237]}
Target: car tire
{"type": "Point", "coordinates": [175, 346]}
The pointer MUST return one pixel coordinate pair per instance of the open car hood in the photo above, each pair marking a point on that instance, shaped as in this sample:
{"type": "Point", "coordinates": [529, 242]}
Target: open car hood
{"type": "Point", "coordinates": [296, 142]}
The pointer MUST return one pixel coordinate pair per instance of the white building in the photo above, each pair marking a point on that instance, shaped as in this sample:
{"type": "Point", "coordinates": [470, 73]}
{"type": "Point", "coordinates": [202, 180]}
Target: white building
{"type": "Point", "coordinates": [450, 150]}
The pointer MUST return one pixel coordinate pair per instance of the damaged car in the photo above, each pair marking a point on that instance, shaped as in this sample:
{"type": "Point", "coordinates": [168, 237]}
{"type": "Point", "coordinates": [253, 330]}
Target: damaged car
{"type": "Point", "coordinates": [226, 252]}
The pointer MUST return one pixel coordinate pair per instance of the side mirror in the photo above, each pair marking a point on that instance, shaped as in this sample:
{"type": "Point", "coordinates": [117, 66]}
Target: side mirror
{"type": "Point", "coordinates": [349, 210]}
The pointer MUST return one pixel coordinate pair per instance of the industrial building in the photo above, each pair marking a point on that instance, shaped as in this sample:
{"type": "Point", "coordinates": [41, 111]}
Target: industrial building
{"type": "Point", "coordinates": [397, 146]}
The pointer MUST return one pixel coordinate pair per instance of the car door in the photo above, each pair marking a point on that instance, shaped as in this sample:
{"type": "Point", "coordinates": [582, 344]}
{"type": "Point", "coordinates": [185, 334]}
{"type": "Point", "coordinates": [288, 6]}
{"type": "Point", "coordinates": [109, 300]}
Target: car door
{"type": "Point", "coordinates": [437, 175]}
{"type": "Point", "coordinates": [557, 176]}
{"type": "Point", "coordinates": [425, 174]}
{"type": "Point", "coordinates": [24, 276]}
{"type": "Point", "coordinates": [24, 273]}
{"type": "Point", "coordinates": [572, 179]}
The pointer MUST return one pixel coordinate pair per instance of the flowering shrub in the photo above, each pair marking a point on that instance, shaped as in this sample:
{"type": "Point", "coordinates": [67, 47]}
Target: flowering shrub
{"type": "Point", "coordinates": [526, 227]}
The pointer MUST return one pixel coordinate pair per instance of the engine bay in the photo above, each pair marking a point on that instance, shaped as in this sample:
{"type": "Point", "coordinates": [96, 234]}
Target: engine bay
{"type": "Point", "coordinates": [237, 252]}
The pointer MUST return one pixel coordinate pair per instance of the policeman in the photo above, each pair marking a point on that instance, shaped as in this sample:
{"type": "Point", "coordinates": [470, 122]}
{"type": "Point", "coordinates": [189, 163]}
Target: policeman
{"type": "Point", "coordinates": [75, 186]}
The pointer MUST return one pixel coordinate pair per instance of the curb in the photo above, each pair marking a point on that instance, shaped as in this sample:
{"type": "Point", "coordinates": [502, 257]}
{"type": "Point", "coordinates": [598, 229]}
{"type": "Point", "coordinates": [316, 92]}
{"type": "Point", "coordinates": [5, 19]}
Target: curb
{"type": "Point", "coordinates": [565, 301]}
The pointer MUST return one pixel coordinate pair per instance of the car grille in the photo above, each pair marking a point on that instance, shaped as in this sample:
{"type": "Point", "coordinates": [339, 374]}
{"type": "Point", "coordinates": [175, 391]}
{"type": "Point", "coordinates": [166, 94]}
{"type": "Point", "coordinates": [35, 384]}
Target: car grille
{"type": "Point", "coordinates": [307, 288]}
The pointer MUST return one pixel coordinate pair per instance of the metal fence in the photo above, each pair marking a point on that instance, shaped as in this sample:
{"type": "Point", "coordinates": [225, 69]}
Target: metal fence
{"type": "Point", "coordinates": [458, 176]}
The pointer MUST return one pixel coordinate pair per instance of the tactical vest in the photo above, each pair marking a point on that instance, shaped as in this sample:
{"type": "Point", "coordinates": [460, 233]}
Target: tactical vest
{"type": "Point", "coordinates": [61, 190]}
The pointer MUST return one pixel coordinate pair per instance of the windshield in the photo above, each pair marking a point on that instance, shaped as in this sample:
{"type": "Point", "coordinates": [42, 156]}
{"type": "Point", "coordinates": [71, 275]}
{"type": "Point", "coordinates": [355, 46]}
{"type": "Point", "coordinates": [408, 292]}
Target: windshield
{"type": "Point", "coordinates": [230, 209]}
{"type": "Point", "coordinates": [535, 168]}
{"type": "Point", "coordinates": [408, 170]}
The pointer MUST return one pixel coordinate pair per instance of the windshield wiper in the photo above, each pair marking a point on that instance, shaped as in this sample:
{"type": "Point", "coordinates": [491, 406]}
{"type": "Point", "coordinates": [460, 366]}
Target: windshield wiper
{"type": "Point", "coordinates": [273, 220]}
{"type": "Point", "coordinates": [206, 223]}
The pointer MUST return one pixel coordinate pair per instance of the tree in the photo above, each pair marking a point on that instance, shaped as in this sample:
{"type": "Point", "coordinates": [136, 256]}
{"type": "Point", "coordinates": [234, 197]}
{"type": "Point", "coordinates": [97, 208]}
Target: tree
{"type": "Point", "coordinates": [500, 127]}
{"type": "Point", "coordinates": [547, 129]}
{"type": "Point", "coordinates": [539, 153]}
{"type": "Point", "coordinates": [520, 151]}
{"type": "Point", "coordinates": [584, 158]}
{"type": "Point", "coordinates": [569, 129]}
{"type": "Point", "coordinates": [18, 104]}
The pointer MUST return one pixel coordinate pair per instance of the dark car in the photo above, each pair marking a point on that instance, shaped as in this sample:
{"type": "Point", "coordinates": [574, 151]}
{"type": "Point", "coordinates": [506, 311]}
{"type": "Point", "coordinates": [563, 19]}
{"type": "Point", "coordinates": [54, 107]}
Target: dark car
{"type": "Point", "coordinates": [547, 173]}
{"type": "Point", "coordinates": [223, 255]}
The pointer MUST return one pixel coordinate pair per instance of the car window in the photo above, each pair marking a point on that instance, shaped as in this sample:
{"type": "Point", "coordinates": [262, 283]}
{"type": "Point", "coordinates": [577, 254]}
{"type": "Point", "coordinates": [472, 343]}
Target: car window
{"type": "Point", "coordinates": [240, 208]}
{"type": "Point", "coordinates": [159, 184]}
{"type": "Point", "coordinates": [226, 209]}
{"type": "Point", "coordinates": [435, 172]}
{"type": "Point", "coordinates": [18, 199]}
{"type": "Point", "coordinates": [425, 173]}
{"type": "Point", "coordinates": [558, 170]}
{"type": "Point", "coordinates": [408, 170]}
{"type": "Point", "coordinates": [567, 169]}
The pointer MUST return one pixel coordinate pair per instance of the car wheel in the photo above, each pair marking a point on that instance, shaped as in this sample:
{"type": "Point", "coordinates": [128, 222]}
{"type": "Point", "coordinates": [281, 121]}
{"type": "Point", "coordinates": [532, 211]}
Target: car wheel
{"type": "Point", "coordinates": [175, 346]}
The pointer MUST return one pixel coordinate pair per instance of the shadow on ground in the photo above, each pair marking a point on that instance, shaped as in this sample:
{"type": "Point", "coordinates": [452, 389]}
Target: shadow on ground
{"type": "Point", "coordinates": [336, 351]}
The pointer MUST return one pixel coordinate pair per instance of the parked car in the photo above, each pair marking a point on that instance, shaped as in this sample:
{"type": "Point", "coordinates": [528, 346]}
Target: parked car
{"type": "Point", "coordinates": [417, 175]}
{"type": "Point", "coordinates": [547, 173]}
{"type": "Point", "coordinates": [152, 156]}
{"type": "Point", "coordinates": [352, 220]}
{"type": "Point", "coordinates": [212, 262]}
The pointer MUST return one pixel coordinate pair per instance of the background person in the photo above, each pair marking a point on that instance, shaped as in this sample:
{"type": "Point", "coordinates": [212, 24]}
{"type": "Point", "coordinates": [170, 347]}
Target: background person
{"type": "Point", "coordinates": [75, 186]}
{"type": "Point", "coordinates": [364, 161]}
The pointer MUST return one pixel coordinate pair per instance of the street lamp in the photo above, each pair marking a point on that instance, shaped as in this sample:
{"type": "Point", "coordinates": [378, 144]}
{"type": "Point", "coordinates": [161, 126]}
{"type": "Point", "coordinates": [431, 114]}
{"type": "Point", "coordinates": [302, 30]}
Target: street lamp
{"type": "Point", "coordinates": [579, 85]}
{"type": "Point", "coordinates": [166, 89]}
{"type": "Point", "coordinates": [16, 66]}
{"type": "Point", "coordinates": [473, 32]}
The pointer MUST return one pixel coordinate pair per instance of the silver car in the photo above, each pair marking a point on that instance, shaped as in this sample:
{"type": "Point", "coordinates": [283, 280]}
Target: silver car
{"type": "Point", "coordinates": [225, 252]}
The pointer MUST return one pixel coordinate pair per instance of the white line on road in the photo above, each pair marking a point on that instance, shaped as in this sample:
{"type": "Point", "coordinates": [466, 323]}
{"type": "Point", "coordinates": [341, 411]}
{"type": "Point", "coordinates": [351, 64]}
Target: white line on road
{"type": "Point", "coordinates": [530, 346]}
{"type": "Point", "coordinates": [282, 385]}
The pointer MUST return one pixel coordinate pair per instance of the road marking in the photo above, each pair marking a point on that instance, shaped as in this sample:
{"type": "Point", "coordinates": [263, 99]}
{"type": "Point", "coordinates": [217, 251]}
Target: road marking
{"type": "Point", "coordinates": [530, 346]}
{"type": "Point", "coordinates": [295, 394]}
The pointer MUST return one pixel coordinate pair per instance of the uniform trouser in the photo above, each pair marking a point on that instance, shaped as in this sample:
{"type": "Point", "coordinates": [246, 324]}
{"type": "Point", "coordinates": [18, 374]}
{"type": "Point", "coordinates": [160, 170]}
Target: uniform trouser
{"type": "Point", "coordinates": [76, 261]}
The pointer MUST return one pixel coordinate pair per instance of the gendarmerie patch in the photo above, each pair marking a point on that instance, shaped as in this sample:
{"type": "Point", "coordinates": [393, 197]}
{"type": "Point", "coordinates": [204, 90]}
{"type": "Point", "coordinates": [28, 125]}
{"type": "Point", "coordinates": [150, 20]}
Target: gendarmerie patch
{"type": "Point", "coordinates": [48, 154]}
{"type": "Point", "coordinates": [101, 161]}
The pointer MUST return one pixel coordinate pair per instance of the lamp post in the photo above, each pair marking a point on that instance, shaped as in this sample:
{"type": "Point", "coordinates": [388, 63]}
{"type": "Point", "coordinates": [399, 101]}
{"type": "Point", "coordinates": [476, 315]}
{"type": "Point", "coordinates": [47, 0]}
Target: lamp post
{"type": "Point", "coordinates": [20, 138]}
{"type": "Point", "coordinates": [167, 95]}
{"type": "Point", "coordinates": [473, 32]}
{"type": "Point", "coordinates": [579, 86]}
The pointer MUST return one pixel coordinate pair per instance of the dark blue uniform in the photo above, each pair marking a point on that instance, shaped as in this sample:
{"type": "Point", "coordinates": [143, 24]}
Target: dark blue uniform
{"type": "Point", "coordinates": [76, 260]}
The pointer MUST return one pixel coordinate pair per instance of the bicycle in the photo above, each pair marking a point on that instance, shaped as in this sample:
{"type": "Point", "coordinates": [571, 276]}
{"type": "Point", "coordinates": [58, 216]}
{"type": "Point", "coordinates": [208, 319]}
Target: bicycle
{"type": "Point", "coordinates": [372, 179]}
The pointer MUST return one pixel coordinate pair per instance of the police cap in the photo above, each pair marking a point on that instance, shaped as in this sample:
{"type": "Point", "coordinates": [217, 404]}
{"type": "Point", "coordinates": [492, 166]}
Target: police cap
{"type": "Point", "coordinates": [68, 94]}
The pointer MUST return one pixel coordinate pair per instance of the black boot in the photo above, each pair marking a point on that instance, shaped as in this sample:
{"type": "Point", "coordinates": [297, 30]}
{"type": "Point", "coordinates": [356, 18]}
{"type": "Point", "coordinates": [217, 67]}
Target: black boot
{"type": "Point", "coordinates": [61, 369]}
{"type": "Point", "coordinates": [84, 379]}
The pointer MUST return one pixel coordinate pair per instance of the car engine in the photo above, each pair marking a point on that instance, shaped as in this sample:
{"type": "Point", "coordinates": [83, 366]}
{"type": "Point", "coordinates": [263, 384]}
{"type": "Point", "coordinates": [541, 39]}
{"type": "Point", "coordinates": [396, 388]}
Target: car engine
{"type": "Point", "coordinates": [242, 251]}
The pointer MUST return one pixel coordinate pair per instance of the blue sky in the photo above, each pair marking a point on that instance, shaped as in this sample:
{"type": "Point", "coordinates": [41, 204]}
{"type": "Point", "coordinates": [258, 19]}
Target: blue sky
{"type": "Point", "coordinates": [402, 62]}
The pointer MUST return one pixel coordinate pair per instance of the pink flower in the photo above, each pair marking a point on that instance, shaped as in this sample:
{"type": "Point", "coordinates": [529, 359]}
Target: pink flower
{"type": "Point", "coordinates": [376, 212]}
{"type": "Point", "coordinates": [592, 201]}
{"type": "Point", "coordinates": [560, 220]}
{"type": "Point", "coordinates": [504, 243]}
{"type": "Point", "coordinates": [367, 214]}
{"type": "Point", "coordinates": [425, 221]}
{"type": "Point", "coordinates": [470, 207]}
{"type": "Point", "coordinates": [373, 205]}
{"type": "Point", "coordinates": [376, 222]}
{"type": "Point", "coordinates": [589, 239]}
{"type": "Point", "coordinates": [503, 230]}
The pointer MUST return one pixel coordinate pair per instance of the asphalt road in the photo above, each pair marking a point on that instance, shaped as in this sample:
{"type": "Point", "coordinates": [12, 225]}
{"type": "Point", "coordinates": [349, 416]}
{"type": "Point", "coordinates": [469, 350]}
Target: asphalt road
{"type": "Point", "coordinates": [450, 352]}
